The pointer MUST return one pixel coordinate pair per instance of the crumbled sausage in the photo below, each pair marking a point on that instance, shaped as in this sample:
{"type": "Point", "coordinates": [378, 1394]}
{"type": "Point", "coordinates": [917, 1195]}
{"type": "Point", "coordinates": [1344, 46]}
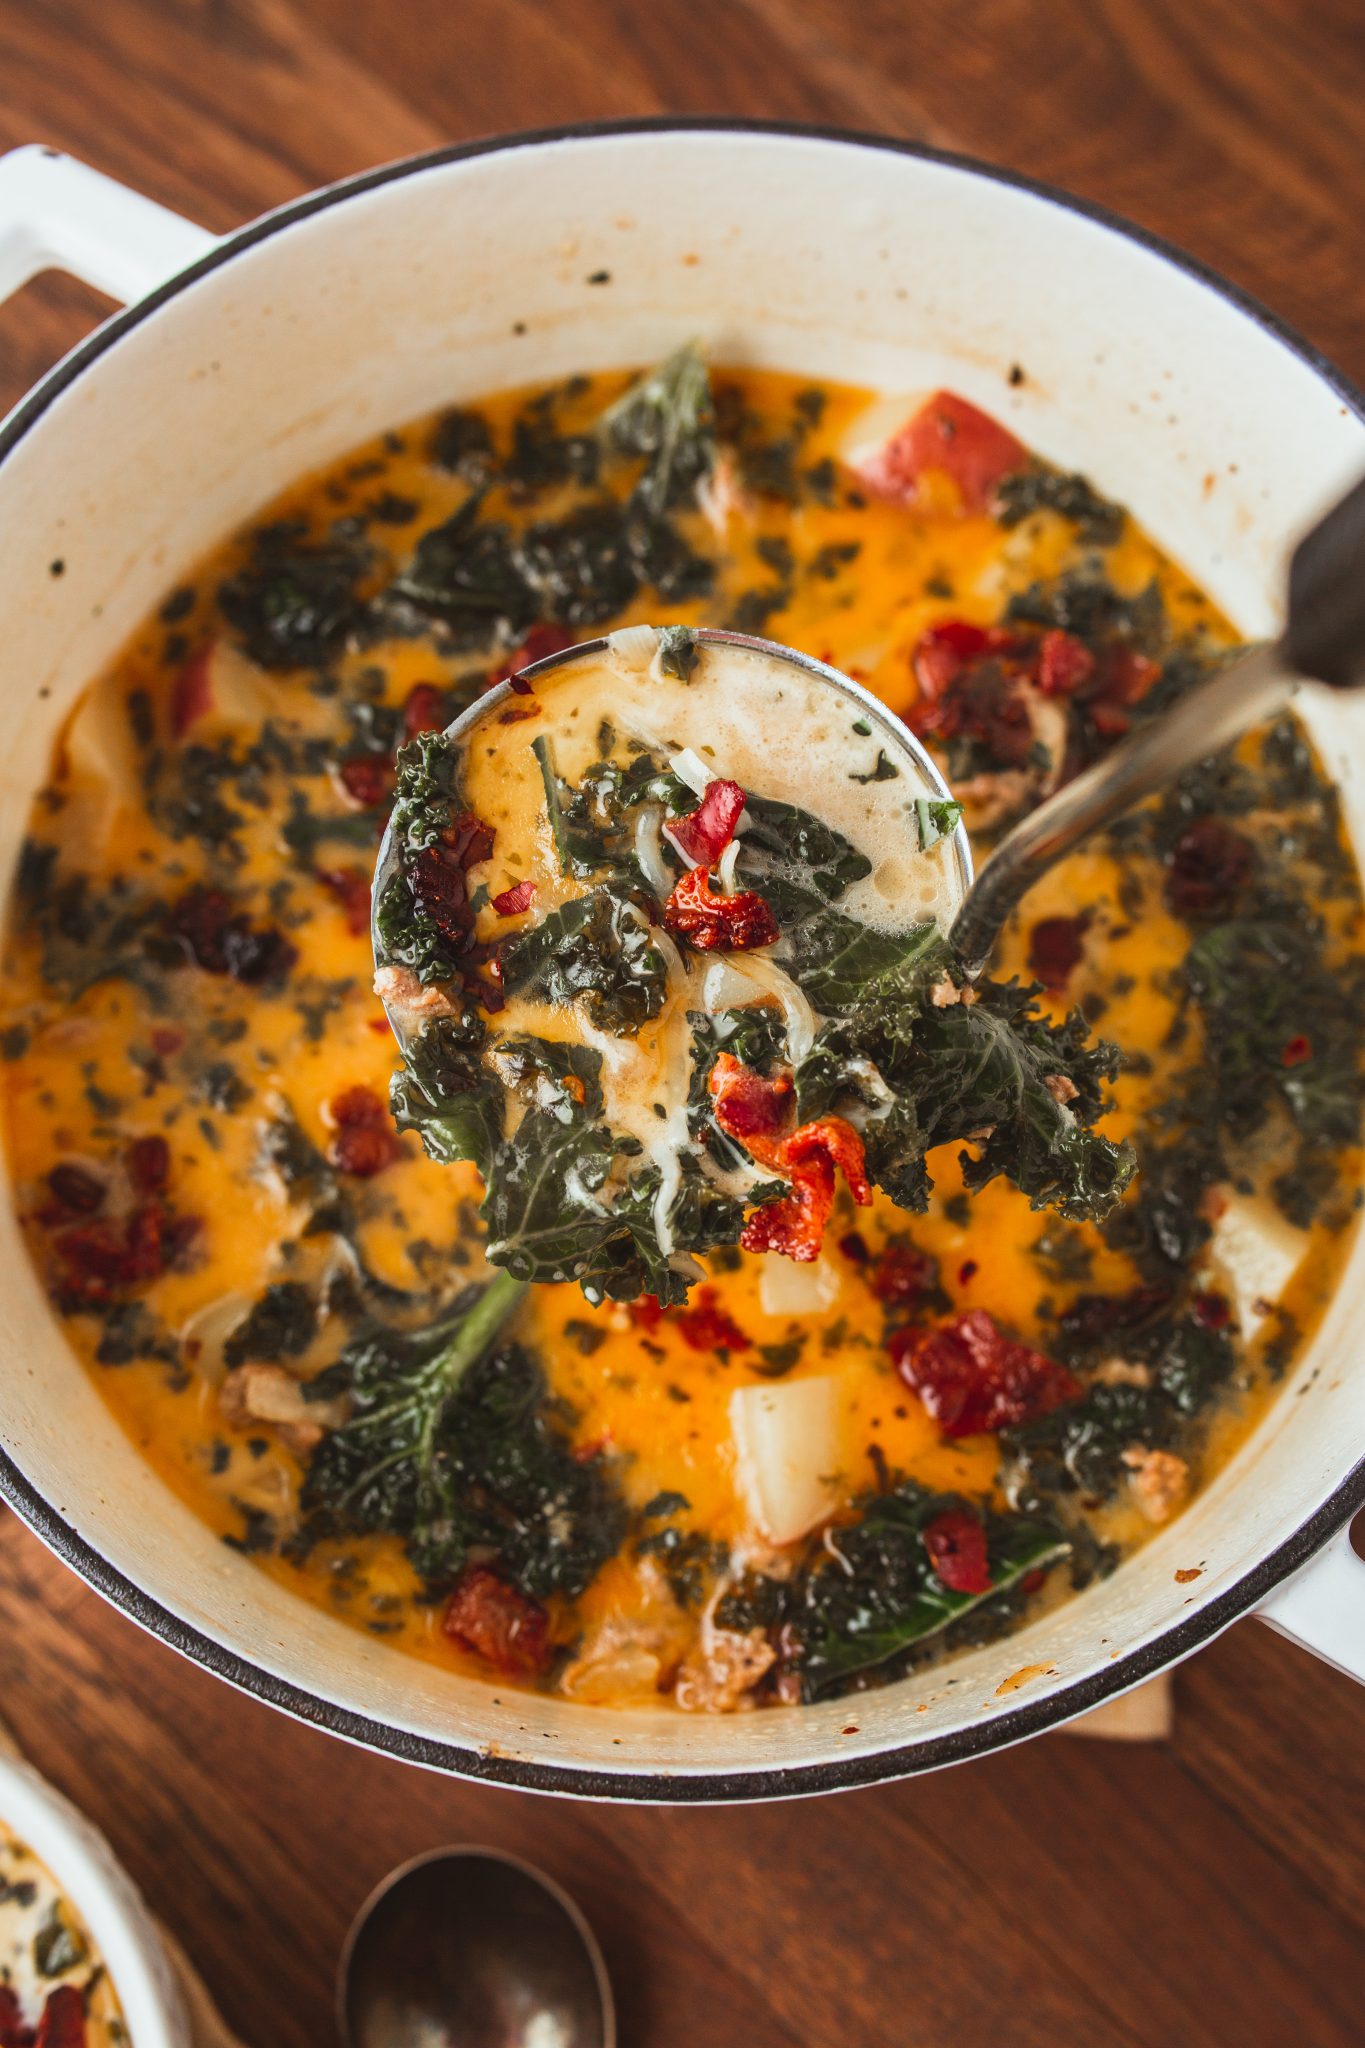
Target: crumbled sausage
{"type": "Point", "coordinates": [1160, 1480]}
{"type": "Point", "coordinates": [723, 1671]}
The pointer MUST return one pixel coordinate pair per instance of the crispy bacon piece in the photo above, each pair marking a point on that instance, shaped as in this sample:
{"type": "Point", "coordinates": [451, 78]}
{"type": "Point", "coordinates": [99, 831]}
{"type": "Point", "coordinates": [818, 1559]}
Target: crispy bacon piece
{"type": "Point", "coordinates": [13, 2032]}
{"type": "Point", "coordinates": [956, 1543]}
{"type": "Point", "coordinates": [438, 878]}
{"type": "Point", "coordinates": [424, 710]}
{"type": "Point", "coordinates": [702, 836]}
{"type": "Point", "coordinates": [969, 682]}
{"type": "Point", "coordinates": [972, 1377]}
{"type": "Point", "coordinates": [148, 1163]}
{"type": "Point", "coordinates": [63, 2022]}
{"type": "Point", "coordinates": [493, 1620]}
{"type": "Point", "coordinates": [718, 924]}
{"type": "Point", "coordinates": [1207, 868]}
{"type": "Point", "coordinates": [192, 691]}
{"type": "Point", "coordinates": [707, 1326]}
{"type": "Point", "coordinates": [750, 1108]}
{"type": "Point", "coordinates": [1123, 679]}
{"type": "Point", "coordinates": [364, 1140]}
{"type": "Point", "coordinates": [74, 1192]}
{"type": "Point", "coordinates": [542, 640]}
{"type": "Point", "coordinates": [222, 940]}
{"type": "Point", "coordinates": [1064, 663]}
{"type": "Point", "coordinates": [796, 1222]}
{"type": "Point", "coordinates": [1056, 947]}
{"type": "Point", "coordinates": [513, 901]}
{"type": "Point", "coordinates": [903, 1275]}
{"type": "Point", "coordinates": [367, 779]}
{"type": "Point", "coordinates": [952, 437]}
{"type": "Point", "coordinates": [96, 1261]}
{"type": "Point", "coordinates": [351, 889]}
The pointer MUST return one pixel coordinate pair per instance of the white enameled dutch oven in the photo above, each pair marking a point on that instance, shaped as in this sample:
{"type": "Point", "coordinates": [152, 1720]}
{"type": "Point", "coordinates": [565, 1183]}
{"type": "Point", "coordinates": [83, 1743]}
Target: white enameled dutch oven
{"type": "Point", "coordinates": [87, 1872]}
{"type": "Point", "coordinates": [243, 362]}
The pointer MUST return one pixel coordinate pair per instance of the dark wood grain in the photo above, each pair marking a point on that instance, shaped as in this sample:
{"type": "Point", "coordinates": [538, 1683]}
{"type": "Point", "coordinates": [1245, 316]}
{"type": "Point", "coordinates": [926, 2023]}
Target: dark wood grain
{"type": "Point", "coordinates": [1203, 1892]}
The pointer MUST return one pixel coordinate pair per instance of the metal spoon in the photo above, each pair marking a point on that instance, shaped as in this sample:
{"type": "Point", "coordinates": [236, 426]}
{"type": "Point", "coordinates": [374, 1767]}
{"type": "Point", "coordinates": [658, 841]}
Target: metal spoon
{"type": "Point", "coordinates": [470, 1948]}
{"type": "Point", "coordinates": [1324, 641]}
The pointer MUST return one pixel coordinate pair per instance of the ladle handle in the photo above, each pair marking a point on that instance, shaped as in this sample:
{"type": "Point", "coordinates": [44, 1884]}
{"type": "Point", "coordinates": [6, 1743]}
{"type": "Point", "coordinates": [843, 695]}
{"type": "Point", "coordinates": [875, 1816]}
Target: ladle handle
{"type": "Point", "coordinates": [1211, 715]}
{"type": "Point", "coordinates": [1324, 640]}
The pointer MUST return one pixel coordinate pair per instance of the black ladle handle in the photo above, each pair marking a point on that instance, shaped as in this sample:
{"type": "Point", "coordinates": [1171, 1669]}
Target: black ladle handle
{"type": "Point", "coordinates": [1324, 641]}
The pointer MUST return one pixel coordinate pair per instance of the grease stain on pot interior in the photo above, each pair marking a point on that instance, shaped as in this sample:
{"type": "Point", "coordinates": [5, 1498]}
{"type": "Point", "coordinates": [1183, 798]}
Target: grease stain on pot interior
{"type": "Point", "coordinates": [1023, 1676]}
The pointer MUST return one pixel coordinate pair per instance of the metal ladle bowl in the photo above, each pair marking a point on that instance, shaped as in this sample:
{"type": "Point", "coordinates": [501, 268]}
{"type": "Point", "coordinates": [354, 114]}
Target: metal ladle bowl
{"type": "Point", "coordinates": [471, 1948]}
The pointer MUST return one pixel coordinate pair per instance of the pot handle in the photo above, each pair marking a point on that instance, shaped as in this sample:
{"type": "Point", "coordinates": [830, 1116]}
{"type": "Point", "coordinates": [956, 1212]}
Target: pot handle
{"type": "Point", "coordinates": [58, 214]}
{"type": "Point", "coordinates": [1322, 1608]}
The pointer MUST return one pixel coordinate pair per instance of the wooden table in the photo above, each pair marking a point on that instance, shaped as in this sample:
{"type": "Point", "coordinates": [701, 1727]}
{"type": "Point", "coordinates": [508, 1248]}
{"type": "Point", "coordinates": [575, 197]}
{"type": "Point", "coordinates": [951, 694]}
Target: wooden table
{"type": "Point", "coordinates": [1200, 1894]}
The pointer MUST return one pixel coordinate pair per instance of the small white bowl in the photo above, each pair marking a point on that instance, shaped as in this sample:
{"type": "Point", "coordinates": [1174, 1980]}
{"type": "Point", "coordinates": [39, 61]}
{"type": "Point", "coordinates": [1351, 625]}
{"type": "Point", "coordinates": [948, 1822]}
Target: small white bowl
{"type": "Point", "coordinates": [115, 1916]}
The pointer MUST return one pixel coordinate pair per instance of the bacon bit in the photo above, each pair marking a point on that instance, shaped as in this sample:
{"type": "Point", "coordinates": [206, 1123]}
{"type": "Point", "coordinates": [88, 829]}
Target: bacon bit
{"type": "Point", "coordinates": [950, 436]}
{"type": "Point", "coordinates": [853, 1245]}
{"type": "Point", "coordinates": [1064, 663]}
{"type": "Point", "coordinates": [972, 1378]}
{"type": "Point", "coordinates": [222, 940]}
{"type": "Point", "coordinates": [956, 1543]}
{"type": "Point", "coordinates": [903, 1274]}
{"type": "Point", "coordinates": [494, 1621]}
{"type": "Point", "coordinates": [832, 1138]}
{"type": "Point", "coordinates": [1297, 1051]}
{"type": "Point", "coordinates": [63, 2022]}
{"type": "Point", "coordinates": [795, 1223]}
{"type": "Point", "coordinates": [438, 877]}
{"type": "Point", "coordinates": [749, 1108]}
{"type": "Point", "coordinates": [706, 1326]}
{"type": "Point", "coordinates": [95, 1261]}
{"type": "Point", "coordinates": [74, 1192]}
{"type": "Point", "coordinates": [542, 640]}
{"type": "Point", "coordinates": [1211, 1311]}
{"type": "Point", "coordinates": [365, 1141]}
{"type": "Point", "coordinates": [424, 710]}
{"type": "Point", "coordinates": [970, 681]}
{"type": "Point", "coordinates": [1207, 868]}
{"type": "Point", "coordinates": [367, 779]}
{"type": "Point", "coordinates": [702, 836]}
{"type": "Point", "coordinates": [516, 713]}
{"type": "Point", "coordinates": [192, 691]}
{"type": "Point", "coordinates": [351, 888]}
{"type": "Point", "coordinates": [166, 1041]}
{"type": "Point", "coordinates": [726, 924]}
{"type": "Point", "coordinates": [148, 1163]}
{"type": "Point", "coordinates": [513, 901]}
{"type": "Point", "coordinates": [1056, 947]}
{"type": "Point", "coordinates": [646, 1312]}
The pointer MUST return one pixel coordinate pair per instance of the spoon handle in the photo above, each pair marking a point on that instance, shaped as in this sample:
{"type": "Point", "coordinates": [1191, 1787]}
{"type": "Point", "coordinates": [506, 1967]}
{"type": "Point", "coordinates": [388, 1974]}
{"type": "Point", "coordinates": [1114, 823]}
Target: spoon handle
{"type": "Point", "coordinates": [1209, 716]}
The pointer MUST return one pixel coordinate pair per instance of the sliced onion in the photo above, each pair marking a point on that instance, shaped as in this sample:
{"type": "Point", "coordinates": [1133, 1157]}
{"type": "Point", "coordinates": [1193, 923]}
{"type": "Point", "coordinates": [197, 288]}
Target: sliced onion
{"type": "Point", "coordinates": [786, 1440]}
{"type": "Point", "coordinates": [202, 1338]}
{"type": "Point", "coordinates": [691, 769]}
{"type": "Point", "coordinates": [649, 850]}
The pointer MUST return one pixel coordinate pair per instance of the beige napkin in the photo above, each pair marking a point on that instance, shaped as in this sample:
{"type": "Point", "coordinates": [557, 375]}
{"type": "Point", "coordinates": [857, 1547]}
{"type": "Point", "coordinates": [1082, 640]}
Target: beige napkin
{"type": "Point", "coordinates": [209, 2030]}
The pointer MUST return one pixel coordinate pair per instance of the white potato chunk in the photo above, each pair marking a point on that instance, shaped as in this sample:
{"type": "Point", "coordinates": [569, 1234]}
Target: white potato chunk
{"type": "Point", "coordinates": [786, 1446]}
{"type": "Point", "coordinates": [1253, 1256]}
{"type": "Point", "coordinates": [787, 1288]}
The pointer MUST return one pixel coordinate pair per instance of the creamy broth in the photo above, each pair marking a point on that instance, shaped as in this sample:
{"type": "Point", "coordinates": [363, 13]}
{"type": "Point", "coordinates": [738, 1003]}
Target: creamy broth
{"type": "Point", "coordinates": [47, 1957]}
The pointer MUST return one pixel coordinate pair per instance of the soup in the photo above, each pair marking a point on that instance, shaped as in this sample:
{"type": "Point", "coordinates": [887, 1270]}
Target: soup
{"type": "Point", "coordinates": [807, 1475]}
{"type": "Point", "coordinates": [54, 1990]}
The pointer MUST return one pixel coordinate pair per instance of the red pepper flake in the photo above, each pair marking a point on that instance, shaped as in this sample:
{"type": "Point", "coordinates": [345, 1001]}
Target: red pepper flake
{"type": "Point", "coordinates": [1064, 663]}
{"type": "Point", "coordinates": [148, 1163]}
{"type": "Point", "coordinates": [702, 836]}
{"type": "Point", "coordinates": [424, 710]}
{"type": "Point", "coordinates": [1056, 947]}
{"type": "Point", "coordinates": [707, 1326]}
{"type": "Point", "coordinates": [951, 436]}
{"type": "Point", "coordinates": [1033, 1582]}
{"type": "Point", "coordinates": [903, 1275]}
{"type": "Point", "coordinates": [63, 2020]}
{"type": "Point", "coordinates": [513, 901]}
{"type": "Point", "coordinates": [956, 1543]}
{"type": "Point", "coordinates": [853, 1245]}
{"type": "Point", "coordinates": [1297, 1051]}
{"type": "Point", "coordinates": [1207, 868]}
{"type": "Point", "coordinates": [542, 641]}
{"type": "Point", "coordinates": [367, 779]}
{"type": "Point", "coordinates": [749, 1107]}
{"type": "Point", "coordinates": [222, 940]}
{"type": "Point", "coordinates": [972, 1378]}
{"type": "Point", "coordinates": [967, 1272]}
{"type": "Point", "coordinates": [726, 924]}
{"type": "Point", "coordinates": [192, 691]}
{"type": "Point", "coordinates": [166, 1040]}
{"type": "Point", "coordinates": [491, 1619]}
{"type": "Point", "coordinates": [364, 1140]}
{"type": "Point", "coordinates": [1211, 1311]}
{"type": "Point", "coordinates": [351, 889]}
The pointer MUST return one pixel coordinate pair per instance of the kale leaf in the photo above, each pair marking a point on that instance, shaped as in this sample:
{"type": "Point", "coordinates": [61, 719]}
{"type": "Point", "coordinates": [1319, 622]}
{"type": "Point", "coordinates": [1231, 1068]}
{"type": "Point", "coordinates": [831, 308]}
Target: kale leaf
{"type": "Point", "coordinates": [295, 602]}
{"type": "Point", "coordinates": [454, 1446]}
{"type": "Point", "coordinates": [1040, 488]}
{"type": "Point", "coordinates": [597, 948]}
{"type": "Point", "coordinates": [444, 1092]}
{"type": "Point", "coordinates": [666, 416]}
{"type": "Point", "coordinates": [282, 1324]}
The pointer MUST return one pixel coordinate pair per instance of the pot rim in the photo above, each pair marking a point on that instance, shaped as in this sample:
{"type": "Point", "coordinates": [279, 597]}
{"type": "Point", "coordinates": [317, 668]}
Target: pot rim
{"type": "Point", "coordinates": [703, 1787]}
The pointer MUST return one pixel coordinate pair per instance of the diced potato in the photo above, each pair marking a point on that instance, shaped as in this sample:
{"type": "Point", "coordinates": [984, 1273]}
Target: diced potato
{"type": "Point", "coordinates": [787, 1446]}
{"type": "Point", "coordinates": [786, 1288]}
{"type": "Point", "coordinates": [1253, 1256]}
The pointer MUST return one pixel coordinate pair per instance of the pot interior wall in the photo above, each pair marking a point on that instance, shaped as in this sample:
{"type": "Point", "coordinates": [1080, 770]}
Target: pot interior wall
{"type": "Point", "coordinates": [807, 255]}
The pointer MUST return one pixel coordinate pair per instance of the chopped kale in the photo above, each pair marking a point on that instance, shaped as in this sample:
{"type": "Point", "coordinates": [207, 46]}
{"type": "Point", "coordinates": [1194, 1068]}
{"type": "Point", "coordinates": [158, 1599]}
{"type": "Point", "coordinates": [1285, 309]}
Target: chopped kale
{"type": "Point", "coordinates": [678, 654]}
{"type": "Point", "coordinates": [598, 949]}
{"type": "Point", "coordinates": [295, 601]}
{"type": "Point", "coordinates": [666, 416]}
{"type": "Point", "coordinates": [282, 1324]}
{"type": "Point", "coordinates": [1040, 488]}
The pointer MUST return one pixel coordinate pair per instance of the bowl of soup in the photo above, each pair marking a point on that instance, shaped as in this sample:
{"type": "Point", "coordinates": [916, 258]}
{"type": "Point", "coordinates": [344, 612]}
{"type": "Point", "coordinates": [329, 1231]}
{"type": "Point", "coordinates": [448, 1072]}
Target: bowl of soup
{"type": "Point", "coordinates": [1074, 1387]}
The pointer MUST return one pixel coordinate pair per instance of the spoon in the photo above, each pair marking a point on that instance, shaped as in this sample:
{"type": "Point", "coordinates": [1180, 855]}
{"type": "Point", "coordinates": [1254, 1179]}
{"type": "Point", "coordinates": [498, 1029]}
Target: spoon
{"type": "Point", "coordinates": [470, 1948]}
{"type": "Point", "coordinates": [1323, 641]}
